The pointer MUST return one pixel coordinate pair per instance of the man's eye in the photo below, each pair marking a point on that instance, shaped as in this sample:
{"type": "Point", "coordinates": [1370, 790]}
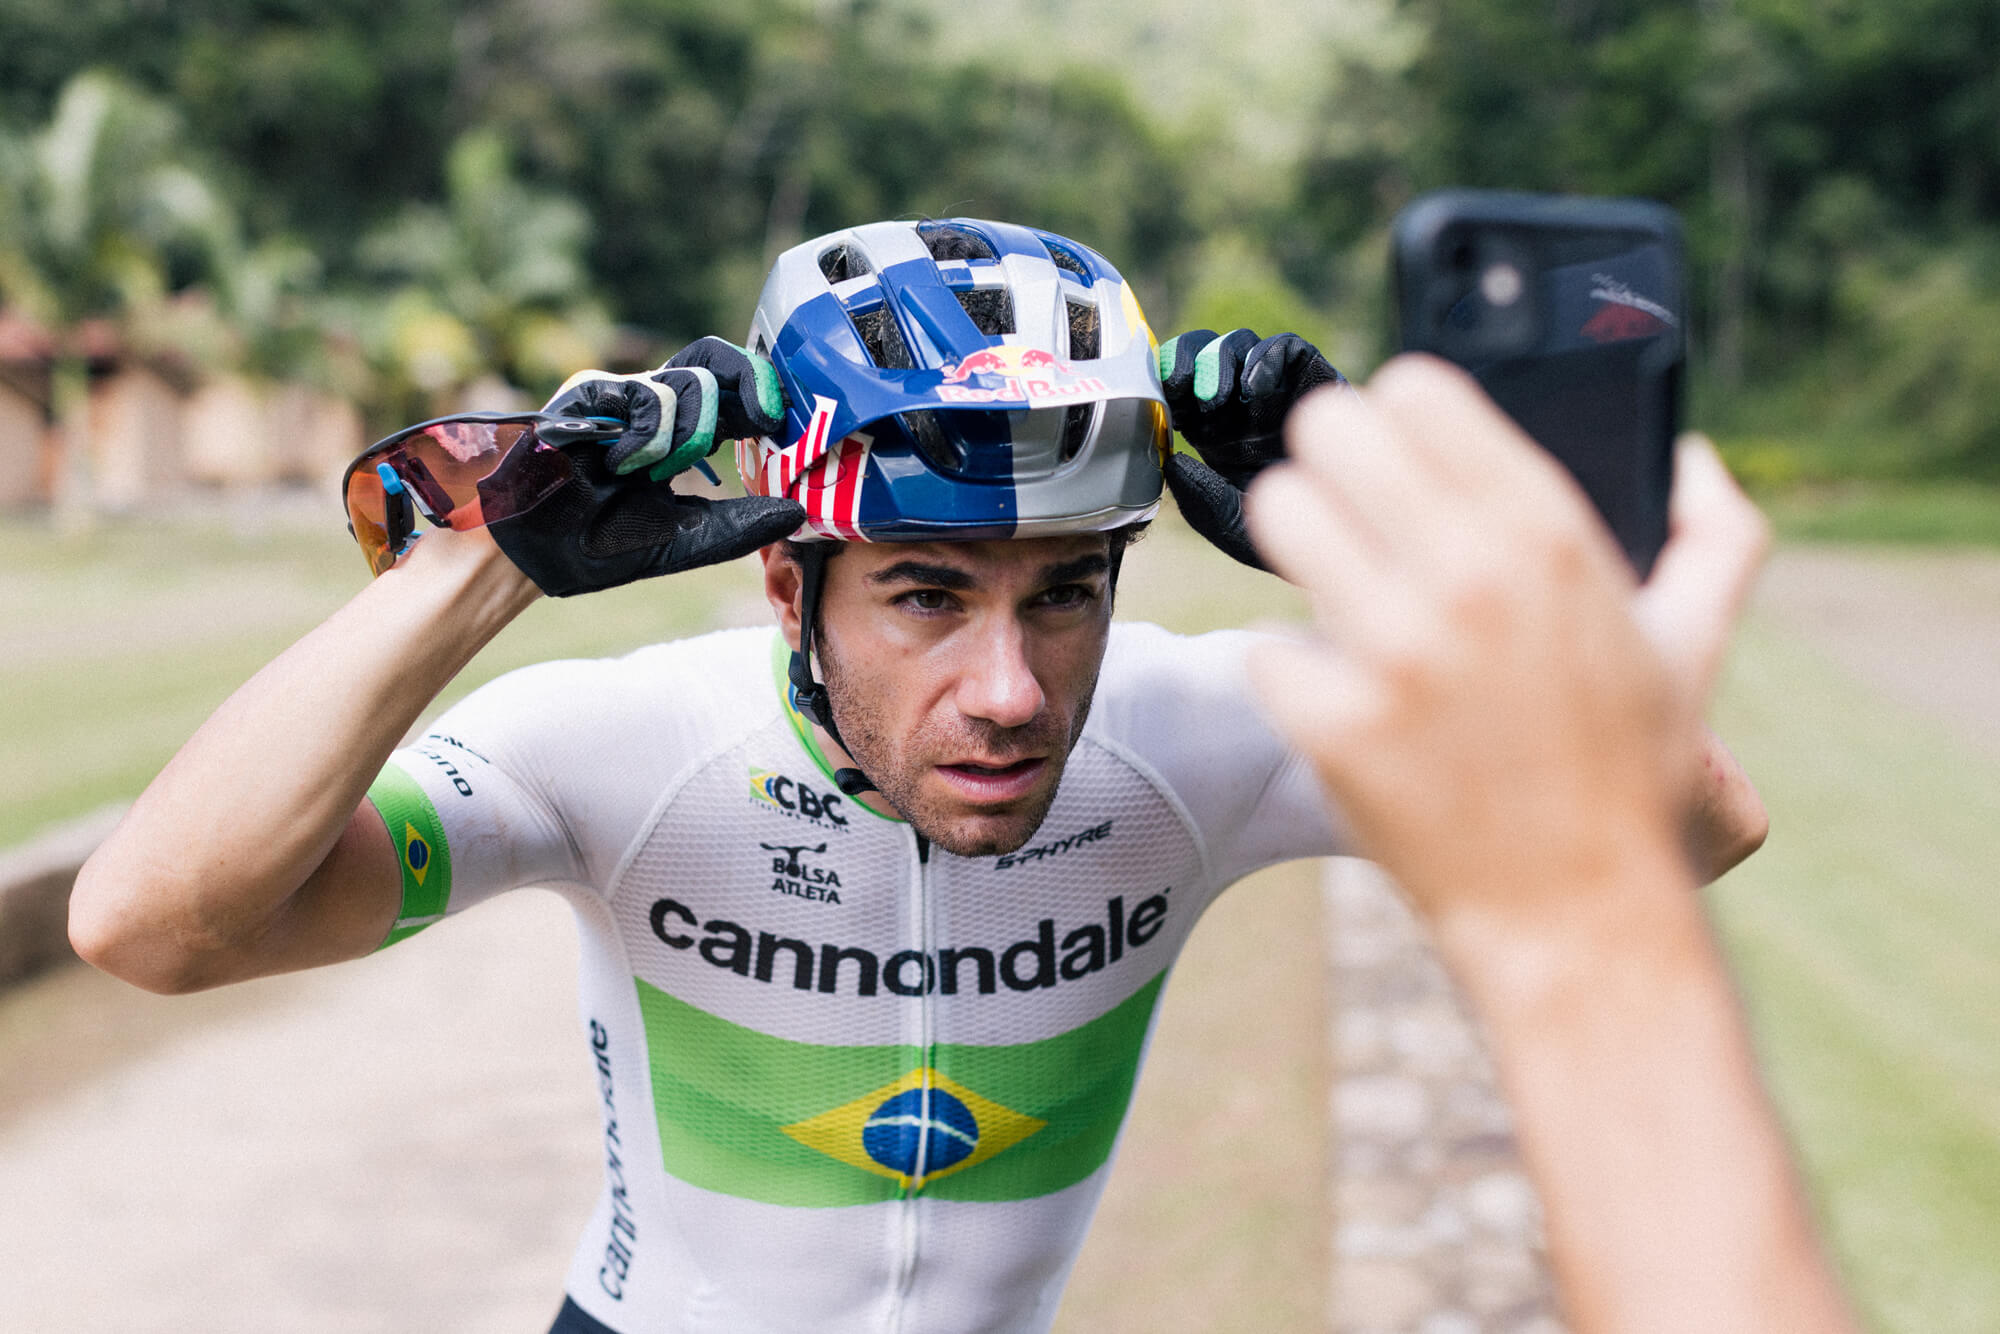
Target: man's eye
{"type": "Point", "coordinates": [926, 599]}
{"type": "Point", "coordinates": [1068, 595]}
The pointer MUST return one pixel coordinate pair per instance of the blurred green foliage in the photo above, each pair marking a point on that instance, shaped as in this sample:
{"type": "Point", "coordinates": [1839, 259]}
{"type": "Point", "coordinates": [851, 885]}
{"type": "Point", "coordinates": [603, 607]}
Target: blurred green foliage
{"type": "Point", "coordinates": [391, 198]}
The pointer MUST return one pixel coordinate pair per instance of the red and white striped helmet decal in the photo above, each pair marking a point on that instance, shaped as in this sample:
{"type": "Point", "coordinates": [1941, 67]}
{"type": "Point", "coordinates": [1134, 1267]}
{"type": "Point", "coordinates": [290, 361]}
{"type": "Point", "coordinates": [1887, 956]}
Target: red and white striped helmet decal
{"type": "Point", "coordinates": [782, 467]}
{"type": "Point", "coordinates": [832, 489]}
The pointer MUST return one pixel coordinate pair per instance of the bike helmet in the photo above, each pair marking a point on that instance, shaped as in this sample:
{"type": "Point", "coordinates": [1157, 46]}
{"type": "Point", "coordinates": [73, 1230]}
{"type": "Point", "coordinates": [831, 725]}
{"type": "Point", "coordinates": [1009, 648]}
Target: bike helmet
{"type": "Point", "coordinates": [951, 380]}
{"type": "Point", "coordinates": [957, 379]}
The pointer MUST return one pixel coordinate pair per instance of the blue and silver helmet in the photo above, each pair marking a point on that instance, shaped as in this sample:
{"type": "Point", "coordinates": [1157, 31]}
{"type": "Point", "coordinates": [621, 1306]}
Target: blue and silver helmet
{"type": "Point", "coordinates": [957, 379]}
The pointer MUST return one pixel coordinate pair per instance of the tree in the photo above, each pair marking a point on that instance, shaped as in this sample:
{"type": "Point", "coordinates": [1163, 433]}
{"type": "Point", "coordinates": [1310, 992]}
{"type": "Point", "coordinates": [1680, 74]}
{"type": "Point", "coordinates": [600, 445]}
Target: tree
{"type": "Point", "coordinates": [100, 217]}
{"type": "Point", "coordinates": [492, 279]}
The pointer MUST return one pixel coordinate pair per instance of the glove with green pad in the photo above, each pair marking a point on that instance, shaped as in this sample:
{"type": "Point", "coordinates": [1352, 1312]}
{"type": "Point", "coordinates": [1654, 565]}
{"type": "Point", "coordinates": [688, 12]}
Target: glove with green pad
{"type": "Point", "coordinates": [676, 416]}
{"type": "Point", "coordinates": [617, 518]}
{"type": "Point", "coordinates": [1228, 396]}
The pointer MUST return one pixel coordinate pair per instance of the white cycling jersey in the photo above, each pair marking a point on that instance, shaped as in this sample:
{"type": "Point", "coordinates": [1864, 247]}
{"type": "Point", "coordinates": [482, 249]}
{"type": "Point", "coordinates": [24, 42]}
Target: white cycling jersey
{"type": "Point", "coordinates": [849, 1082]}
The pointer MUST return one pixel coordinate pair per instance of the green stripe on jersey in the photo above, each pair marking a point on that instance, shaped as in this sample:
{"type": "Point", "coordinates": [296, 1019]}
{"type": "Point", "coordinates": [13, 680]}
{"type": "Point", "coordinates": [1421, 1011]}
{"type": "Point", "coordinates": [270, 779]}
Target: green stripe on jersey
{"type": "Point", "coordinates": [792, 1123]}
{"type": "Point", "coordinates": [421, 854]}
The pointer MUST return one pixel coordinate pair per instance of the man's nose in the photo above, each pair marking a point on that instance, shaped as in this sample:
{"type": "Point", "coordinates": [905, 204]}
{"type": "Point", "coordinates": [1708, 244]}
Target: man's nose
{"type": "Point", "coordinates": [998, 683]}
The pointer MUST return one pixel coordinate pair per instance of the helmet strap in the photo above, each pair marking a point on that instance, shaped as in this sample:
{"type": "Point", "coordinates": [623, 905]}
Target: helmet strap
{"type": "Point", "coordinates": [810, 695]}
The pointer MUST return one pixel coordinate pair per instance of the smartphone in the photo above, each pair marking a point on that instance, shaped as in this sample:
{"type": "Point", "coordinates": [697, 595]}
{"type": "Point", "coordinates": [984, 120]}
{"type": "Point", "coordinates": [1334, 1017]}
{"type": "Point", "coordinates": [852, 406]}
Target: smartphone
{"type": "Point", "coordinates": [1571, 312]}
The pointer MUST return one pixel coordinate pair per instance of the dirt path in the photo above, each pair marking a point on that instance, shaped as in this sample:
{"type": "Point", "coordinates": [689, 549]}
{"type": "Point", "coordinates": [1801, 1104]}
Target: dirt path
{"type": "Point", "coordinates": [407, 1142]}
{"type": "Point", "coordinates": [1922, 627]}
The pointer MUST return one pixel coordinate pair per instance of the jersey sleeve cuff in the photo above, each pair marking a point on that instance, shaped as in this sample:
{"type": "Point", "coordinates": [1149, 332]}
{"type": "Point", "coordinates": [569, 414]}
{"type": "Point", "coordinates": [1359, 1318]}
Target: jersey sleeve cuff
{"type": "Point", "coordinates": [421, 852]}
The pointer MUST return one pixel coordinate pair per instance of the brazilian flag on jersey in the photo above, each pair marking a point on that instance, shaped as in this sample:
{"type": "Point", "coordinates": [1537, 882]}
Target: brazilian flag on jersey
{"type": "Point", "coordinates": [791, 1123]}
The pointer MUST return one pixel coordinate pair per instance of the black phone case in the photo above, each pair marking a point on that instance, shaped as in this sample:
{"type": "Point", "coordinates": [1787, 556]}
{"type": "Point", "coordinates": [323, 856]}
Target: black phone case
{"type": "Point", "coordinates": [1584, 344]}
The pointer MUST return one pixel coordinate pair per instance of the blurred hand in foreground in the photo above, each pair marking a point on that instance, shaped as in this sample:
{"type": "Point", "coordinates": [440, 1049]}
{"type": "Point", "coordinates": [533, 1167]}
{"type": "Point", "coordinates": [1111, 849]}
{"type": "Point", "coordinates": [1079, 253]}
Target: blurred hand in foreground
{"type": "Point", "coordinates": [1511, 728]}
{"type": "Point", "coordinates": [1497, 708]}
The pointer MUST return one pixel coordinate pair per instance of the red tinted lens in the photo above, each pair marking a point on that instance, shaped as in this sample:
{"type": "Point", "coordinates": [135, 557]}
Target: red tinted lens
{"type": "Point", "coordinates": [471, 473]}
{"type": "Point", "coordinates": [531, 472]}
{"type": "Point", "coordinates": [444, 465]}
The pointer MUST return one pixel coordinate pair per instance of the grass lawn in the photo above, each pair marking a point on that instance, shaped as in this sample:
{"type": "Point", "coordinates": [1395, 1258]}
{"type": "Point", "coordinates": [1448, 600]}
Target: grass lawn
{"type": "Point", "coordinates": [118, 644]}
{"type": "Point", "coordinates": [1954, 513]}
{"type": "Point", "coordinates": [1867, 937]}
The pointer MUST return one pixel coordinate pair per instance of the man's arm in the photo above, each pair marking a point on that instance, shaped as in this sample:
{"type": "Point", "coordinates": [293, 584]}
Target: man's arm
{"type": "Point", "coordinates": [254, 852]}
{"type": "Point", "coordinates": [1513, 734]}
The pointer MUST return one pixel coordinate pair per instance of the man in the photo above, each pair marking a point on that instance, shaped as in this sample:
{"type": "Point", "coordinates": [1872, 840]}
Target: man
{"type": "Point", "coordinates": [875, 910]}
{"type": "Point", "coordinates": [1510, 728]}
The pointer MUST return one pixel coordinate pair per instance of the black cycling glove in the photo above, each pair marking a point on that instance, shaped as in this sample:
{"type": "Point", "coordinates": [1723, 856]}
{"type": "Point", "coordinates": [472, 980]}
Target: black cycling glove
{"type": "Point", "coordinates": [1228, 397]}
{"type": "Point", "coordinates": [600, 530]}
{"type": "Point", "coordinates": [605, 527]}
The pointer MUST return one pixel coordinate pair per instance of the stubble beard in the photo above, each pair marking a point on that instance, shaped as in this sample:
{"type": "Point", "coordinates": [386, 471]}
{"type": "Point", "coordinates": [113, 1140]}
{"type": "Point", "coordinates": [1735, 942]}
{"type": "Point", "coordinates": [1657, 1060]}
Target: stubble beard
{"type": "Point", "coordinates": [868, 739]}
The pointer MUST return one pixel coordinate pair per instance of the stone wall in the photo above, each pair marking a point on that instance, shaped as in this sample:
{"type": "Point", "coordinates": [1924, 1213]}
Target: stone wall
{"type": "Point", "coordinates": [1436, 1229]}
{"type": "Point", "coordinates": [35, 880]}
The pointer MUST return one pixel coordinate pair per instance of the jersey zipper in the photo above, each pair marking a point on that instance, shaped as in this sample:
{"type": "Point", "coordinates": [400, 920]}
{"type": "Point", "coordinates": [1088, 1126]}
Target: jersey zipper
{"type": "Point", "coordinates": [924, 928]}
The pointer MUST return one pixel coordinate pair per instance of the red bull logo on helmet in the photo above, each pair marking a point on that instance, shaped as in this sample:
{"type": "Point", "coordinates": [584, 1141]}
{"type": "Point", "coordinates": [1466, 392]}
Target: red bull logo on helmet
{"type": "Point", "coordinates": [1023, 374]}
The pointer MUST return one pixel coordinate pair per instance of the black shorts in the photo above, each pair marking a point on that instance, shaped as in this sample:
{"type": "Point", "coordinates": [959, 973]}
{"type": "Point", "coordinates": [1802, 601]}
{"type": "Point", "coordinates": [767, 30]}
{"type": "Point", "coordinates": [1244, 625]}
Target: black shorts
{"type": "Point", "coordinates": [573, 1319]}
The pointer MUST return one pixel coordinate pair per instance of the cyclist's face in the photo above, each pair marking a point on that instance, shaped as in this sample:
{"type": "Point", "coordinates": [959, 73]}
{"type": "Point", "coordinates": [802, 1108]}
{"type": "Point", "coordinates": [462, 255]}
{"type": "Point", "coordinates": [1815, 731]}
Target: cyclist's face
{"type": "Point", "coordinates": [961, 674]}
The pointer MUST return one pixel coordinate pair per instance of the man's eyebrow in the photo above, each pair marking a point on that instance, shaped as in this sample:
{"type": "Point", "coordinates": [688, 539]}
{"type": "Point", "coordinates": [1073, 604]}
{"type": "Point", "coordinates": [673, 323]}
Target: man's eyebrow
{"type": "Point", "coordinates": [930, 576]}
{"type": "Point", "coordinates": [1069, 571]}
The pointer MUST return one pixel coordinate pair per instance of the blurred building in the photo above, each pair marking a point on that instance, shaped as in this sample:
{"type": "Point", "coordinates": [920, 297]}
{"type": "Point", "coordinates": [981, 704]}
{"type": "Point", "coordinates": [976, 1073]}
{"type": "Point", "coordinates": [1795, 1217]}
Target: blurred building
{"type": "Point", "coordinates": [157, 428]}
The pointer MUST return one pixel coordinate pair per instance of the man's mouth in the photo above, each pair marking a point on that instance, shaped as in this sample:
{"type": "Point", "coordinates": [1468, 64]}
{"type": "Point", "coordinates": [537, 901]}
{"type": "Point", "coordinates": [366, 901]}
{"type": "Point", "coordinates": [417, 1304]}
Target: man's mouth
{"type": "Point", "coordinates": [993, 782]}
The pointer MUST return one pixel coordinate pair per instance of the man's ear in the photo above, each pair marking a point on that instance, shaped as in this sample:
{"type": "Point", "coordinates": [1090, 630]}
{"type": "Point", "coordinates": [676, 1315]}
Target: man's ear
{"type": "Point", "coordinates": [784, 583]}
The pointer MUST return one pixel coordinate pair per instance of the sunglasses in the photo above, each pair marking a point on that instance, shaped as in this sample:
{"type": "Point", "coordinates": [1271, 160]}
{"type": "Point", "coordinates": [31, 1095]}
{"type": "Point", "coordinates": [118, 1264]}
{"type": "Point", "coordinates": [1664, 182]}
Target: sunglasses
{"type": "Point", "coordinates": [451, 471]}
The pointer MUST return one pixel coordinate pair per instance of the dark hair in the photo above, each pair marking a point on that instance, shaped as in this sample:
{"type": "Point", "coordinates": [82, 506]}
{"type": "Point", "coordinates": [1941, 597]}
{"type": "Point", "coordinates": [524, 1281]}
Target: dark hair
{"type": "Point", "coordinates": [1121, 540]}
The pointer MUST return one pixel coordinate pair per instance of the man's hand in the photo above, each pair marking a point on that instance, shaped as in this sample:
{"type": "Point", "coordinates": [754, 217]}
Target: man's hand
{"type": "Point", "coordinates": [708, 392]}
{"type": "Point", "coordinates": [1497, 709]}
{"type": "Point", "coordinates": [1228, 396]}
{"type": "Point", "coordinates": [607, 526]}
{"type": "Point", "coordinates": [1513, 733]}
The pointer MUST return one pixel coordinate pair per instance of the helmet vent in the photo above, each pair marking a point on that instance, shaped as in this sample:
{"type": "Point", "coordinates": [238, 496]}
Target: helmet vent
{"type": "Point", "coordinates": [1075, 430]}
{"type": "Point", "coordinates": [1066, 260]}
{"type": "Point", "coordinates": [991, 308]}
{"type": "Point", "coordinates": [928, 435]}
{"type": "Point", "coordinates": [947, 241]}
{"type": "Point", "coordinates": [841, 262]}
{"type": "Point", "coordinates": [1085, 333]}
{"type": "Point", "coordinates": [883, 339]}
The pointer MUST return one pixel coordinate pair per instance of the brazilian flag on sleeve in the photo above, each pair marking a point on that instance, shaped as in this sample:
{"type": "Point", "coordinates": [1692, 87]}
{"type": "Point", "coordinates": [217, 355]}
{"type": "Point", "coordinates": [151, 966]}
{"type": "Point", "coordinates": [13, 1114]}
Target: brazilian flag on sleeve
{"type": "Point", "coordinates": [421, 853]}
{"type": "Point", "coordinates": [791, 1123]}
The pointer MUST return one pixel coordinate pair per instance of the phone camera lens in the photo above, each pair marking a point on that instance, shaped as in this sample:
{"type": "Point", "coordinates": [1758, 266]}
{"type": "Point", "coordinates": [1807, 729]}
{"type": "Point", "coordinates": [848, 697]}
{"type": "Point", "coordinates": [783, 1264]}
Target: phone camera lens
{"type": "Point", "coordinates": [1501, 284]}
